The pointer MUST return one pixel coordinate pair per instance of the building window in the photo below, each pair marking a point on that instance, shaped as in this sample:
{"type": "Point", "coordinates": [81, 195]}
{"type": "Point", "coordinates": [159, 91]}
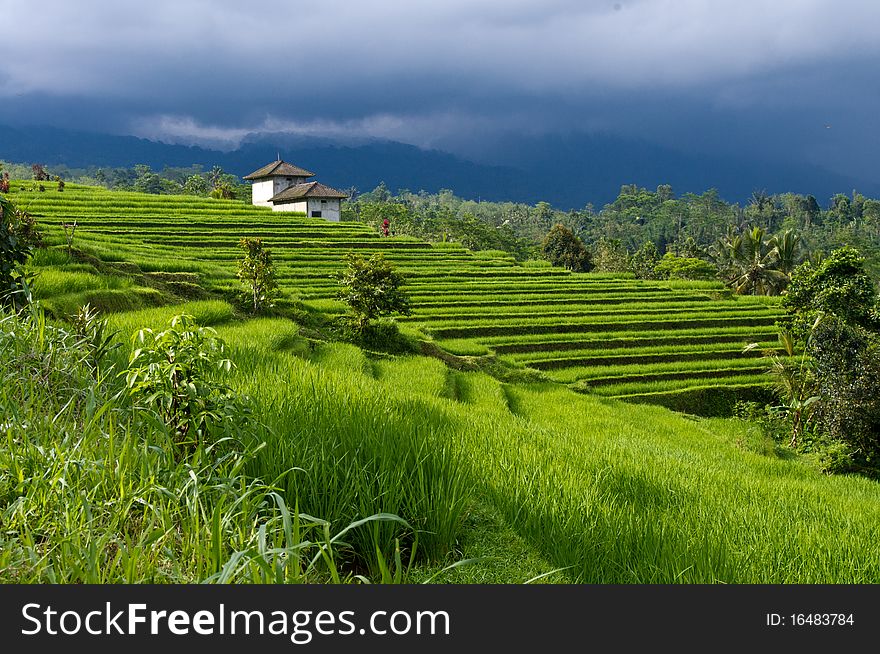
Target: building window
{"type": "Point", "coordinates": [316, 214]}
{"type": "Point", "coordinates": [323, 202]}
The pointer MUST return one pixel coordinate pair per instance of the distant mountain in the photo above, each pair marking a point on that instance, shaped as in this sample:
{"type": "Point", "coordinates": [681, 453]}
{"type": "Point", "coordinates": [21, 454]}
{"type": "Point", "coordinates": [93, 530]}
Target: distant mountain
{"type": "Point", "coordinates": [567, 171]}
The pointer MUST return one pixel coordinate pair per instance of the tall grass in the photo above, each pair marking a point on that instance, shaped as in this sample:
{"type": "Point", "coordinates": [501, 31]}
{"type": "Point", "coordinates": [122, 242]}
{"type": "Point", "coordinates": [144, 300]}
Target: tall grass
{"type": "Point", "coordinates": [348, 446]}
{"type": "Point", "coordinates": [631, 494]}
{"type": "Point", "coordinates": [92, 491]}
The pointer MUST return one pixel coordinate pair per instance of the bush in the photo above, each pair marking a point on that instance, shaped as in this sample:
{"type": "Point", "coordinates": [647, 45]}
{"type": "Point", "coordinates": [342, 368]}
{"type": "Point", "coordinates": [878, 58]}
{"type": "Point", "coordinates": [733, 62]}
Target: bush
{"type": "Point", "coordinates": [177, 375]}
{"type": "Point", "coordinates": [643, 261]}
{"type": "Point", "coordinates": [257, 274]}
{"type": "Point", "coordinates": [839, 286]}
{"type": "Point", "coordinates": [562, 248]}
{"type": "Point", "coordinates": [672, 266]}
{"type": "Point", "coordinates": [14, 251]}
{"type": "Point", "coordinates": [371, 288]}
{"type": "Point", "coordinates": [610, 256]}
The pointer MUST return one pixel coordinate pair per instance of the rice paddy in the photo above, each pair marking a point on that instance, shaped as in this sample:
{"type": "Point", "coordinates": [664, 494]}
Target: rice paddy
{"type": "Point", "coordinates": [600, 332]}
{"type": "Point", "coordinates": [535, 476]}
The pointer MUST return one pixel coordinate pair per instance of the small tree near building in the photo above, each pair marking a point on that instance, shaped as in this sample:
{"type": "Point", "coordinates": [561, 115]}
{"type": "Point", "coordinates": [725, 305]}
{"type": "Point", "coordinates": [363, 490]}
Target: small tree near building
{"type": "Point", "coordinates": [196, 185]}
{"type": "Point", "coordinates": [257, 274]}
{"type": "Point", "coordinates": [371, 288]}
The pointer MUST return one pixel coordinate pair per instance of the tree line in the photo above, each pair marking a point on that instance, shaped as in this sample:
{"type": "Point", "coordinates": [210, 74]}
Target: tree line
{"type": "Point", "coordinates": [192, 180]}
{"type": "Point", "coordinates": [691, 226]}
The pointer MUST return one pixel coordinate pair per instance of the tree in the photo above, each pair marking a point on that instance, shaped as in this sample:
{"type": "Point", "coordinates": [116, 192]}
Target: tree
{"type": "Point", "coordinates": [40, 174]}
{"type": "Point", "coordinates": [750, 262]}
{"type": "Point", "coordinates": [788, 250]}
{"type": "Point", "coordinates": [609, 255]}
{"type": "Point", "coordinates": [672, 266]}
{"type": "Point", "coordinates": [257, 274]}
{"type": "Point", "coordinates": [223, 191]}
{"type": "Point", "coordinates": [215, 176]}
{"type": "Point", "coordinates": [562, 248]}
{"type": "Point", "coordinates": [178, 374]}
{"type": "Point", "coordinates": [832, 308]}
{"type": "Point", "coordinates": [147, 181]}
{"type": "Point", "coordinates": [839, 286]}
{"type": "Point", "coordinates": [644, 260]}
{"type": "Point", "coordinates": [846, 359]}
{"type": "Point", "coordinates": [195, 185]}
{"type": "Point", "coordinates": [371, 288]}
{"type": "Point", "coordinates": [15, 248]}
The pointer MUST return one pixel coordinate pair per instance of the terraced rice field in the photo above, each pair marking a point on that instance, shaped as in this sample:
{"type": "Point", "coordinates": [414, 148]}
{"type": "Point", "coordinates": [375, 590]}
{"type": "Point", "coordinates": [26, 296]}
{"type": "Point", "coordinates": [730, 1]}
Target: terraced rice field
{"type": "Point", "coordinates": [611, 335]}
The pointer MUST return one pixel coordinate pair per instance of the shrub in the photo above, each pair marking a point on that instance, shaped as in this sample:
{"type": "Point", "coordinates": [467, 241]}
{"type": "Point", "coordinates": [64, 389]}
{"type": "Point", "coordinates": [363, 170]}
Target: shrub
{"type": "Point", "coordinates": [610, 256]}
{"type": "Point", "coordinates": [672, 266]}
{"type": "Point", "coordinates": [371, 288]}
{"type": "Point", "coordinates": [562, 248]}
{"type": "Point", "coordinates": [643, 261]}
{"type": "Point", "coordinates": [839, 286]}
{"type": "Point", "coordinates": [14, 251]}
{"type": "Point", "coordinates": [177, 374]}
{"type": "Point", "coordinates": [257, 274]}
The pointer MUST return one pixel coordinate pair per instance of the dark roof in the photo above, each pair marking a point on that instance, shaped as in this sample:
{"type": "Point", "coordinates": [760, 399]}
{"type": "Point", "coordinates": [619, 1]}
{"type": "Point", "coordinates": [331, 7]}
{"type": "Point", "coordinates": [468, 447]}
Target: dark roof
{"type": "Point", "coordinates": [307, 190]}
{"type": "Point", "coordinates": [279, 168]}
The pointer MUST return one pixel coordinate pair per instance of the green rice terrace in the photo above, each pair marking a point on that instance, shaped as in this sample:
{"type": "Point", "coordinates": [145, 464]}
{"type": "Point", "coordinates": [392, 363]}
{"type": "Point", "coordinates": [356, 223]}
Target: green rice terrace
{"type": "Point", "coordinates": [500, 454]}
{"type": "Point", "coordinates": [661, 342]}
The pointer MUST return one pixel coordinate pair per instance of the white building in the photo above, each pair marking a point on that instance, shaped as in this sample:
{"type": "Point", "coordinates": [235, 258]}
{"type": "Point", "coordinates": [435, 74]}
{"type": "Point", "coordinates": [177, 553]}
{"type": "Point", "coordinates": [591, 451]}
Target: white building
{"type": "Point", "coordinates": [284, 187]}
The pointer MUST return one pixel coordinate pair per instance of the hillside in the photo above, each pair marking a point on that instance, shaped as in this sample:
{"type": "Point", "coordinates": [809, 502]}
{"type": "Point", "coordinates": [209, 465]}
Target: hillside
{"type": "Point", "coordinates": [667, 342]}
{"type": "Point", "coordinates": [513, 466]}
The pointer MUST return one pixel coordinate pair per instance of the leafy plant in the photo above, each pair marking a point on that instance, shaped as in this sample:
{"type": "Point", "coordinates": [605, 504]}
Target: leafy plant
{"type": "Point", "coordinates": [94, 337]}
{"type": "Point", "coordinates": [795, 382]}
{"type": "Point", "coordinates": [609, 255]}
{"type": "Point", "coordinates": [14, 252]}
{"type": "Point", "coordinates": [257, 274]}
{"type": "Point", "coordinates": [371, 288]}
{"type": "Point", "coordinates": [673, 266]}
{"type": "Point", "coordinates": [177, 374]}
{"type": "Point", "coordinates": [39, 172]}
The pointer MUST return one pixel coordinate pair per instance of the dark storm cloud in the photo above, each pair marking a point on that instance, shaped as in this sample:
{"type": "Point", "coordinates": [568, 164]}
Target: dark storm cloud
{"type": "Point", "coordinates": [698, 73]}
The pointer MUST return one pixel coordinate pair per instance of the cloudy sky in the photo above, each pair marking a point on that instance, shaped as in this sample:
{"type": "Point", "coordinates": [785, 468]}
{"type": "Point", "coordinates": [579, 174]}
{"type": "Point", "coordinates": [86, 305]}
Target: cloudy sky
{"type": "Point", "coordinates": [790, 79]}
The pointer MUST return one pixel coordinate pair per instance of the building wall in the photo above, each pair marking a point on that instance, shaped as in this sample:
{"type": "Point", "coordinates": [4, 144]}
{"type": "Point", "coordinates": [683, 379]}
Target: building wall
{"type": "Point", "coordinates": [291, 206]}
{"type": "Point", "coordinates": [282, 183]}
{"type": "Point", "coordinates": [266, 188]}
{"type": "Point", "coordinates": [262, 190]}
{"type": "Point", "coordinates": [329, 209]}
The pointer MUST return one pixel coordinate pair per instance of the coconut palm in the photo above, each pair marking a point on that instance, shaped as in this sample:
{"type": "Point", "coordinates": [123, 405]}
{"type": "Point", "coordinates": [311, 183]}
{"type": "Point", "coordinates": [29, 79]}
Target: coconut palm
{"type": "Point", "coordinates": [756, 262]}
{"type": "Point", "coordinates": [788, 250]}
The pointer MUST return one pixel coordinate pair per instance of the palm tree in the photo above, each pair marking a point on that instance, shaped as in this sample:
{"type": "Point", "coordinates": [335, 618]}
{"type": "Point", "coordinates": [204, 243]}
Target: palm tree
{"type": "Point", "coordinates": [756, 262]}
{"type": "Point", "coordinates": [788, 250]}
{"type": "Point", "coordinates": [794, 380]}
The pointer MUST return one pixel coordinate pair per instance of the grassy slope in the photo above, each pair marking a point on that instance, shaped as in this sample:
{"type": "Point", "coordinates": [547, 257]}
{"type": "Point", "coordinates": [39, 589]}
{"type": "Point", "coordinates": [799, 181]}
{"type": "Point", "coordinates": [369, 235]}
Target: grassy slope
{"type": "Point", "coordinates": [611, 491]}
{"type": "Point", "coordinates": [536, 476]}
{"type": "Point", "coordinates": [173, 247]}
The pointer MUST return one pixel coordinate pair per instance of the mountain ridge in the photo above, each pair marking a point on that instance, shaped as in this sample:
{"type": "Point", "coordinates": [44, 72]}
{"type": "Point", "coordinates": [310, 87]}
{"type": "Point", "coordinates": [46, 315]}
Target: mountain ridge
{"type": "Point", "coordinates": [568, 171]}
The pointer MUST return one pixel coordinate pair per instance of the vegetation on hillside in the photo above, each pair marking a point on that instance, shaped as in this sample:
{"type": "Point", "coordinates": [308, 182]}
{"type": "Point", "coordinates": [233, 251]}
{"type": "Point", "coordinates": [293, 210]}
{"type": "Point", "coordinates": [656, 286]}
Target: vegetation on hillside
{"type": "Point", "coordinates": [692, 226]}
{"type": "Point", "coordinates": [229, 433]}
